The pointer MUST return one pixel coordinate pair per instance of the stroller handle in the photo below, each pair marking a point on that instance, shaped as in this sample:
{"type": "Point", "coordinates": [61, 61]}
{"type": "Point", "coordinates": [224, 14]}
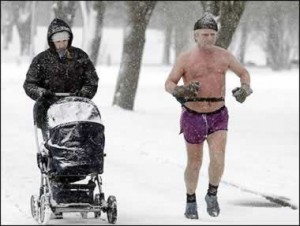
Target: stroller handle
{"type": "Point", "coordinates": [63, 94]}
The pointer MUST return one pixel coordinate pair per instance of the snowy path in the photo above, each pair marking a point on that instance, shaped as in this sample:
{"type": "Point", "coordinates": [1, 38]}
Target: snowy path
{"type": "Point", "coordinates": [145, 156]}
{"type": "Point", "coordinates": [144, 196]}
{"type": "Point", "coordinates": [148, 197]}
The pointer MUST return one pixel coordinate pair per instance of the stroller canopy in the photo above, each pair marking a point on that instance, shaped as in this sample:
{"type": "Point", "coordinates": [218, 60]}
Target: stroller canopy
{"type": "Point", "coordinates": [72, 109]}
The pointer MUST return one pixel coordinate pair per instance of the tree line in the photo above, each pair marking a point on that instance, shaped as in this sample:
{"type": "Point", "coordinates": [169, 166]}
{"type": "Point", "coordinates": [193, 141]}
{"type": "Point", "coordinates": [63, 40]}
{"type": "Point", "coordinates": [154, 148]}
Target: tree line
{"type": "Point", "coordinates": [272, 24]}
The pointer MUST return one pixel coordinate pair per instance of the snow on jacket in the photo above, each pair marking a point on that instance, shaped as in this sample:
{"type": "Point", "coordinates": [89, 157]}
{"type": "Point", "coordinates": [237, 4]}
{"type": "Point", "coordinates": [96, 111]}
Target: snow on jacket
{"type": "Point", "coordinates": [74, 73]}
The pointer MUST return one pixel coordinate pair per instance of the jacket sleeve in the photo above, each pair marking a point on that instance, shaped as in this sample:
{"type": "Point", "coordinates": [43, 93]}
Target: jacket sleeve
{"type": "Point", "coordinates": [32, 84]}
{"type": "Point", "coordinates": [90, 81]}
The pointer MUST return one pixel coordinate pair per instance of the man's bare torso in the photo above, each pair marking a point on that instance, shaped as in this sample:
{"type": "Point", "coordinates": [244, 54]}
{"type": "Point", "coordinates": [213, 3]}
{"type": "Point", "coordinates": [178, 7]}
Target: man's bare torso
{"type": "Point", "coordinates": [209, 68]}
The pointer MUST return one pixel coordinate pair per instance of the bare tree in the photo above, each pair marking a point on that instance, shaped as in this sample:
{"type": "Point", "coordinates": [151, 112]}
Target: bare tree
{"type": "Point", "coordinates": [65, 10]}
{"type": "Point", "coordinates": [139, 14]}
{"type": "Point", "coordinates": [165, 18]}
{"type": "Point", "coordinates": [183, 16]}
{"type": "Point", "coordinates": [251, 27]}
{"type": "Point", "coordinates": [7, 23]}
{"type": "Point", "coordinates": [211, 6]}
{"type": "Point", "coordinates": [273, 26]}
{"type": "Point", "coordinates": [176, 20]}
{"type": "Point", "coordinates": [92, 14]}
{"type": "Point", "coordinates": [167, 45]}
{"type": "Point", "coordinates": [228, 14]}
{"type": "Point", "coordinates": [22, 14]}
{"type": "Point", "coordinates": [244, 38]}
{"type": "Point", "coordinates": [245, 30]}
{"type": "Point", "coordinates": [281, 33]}
{"type": "Point", "coordinates": [33, 26]}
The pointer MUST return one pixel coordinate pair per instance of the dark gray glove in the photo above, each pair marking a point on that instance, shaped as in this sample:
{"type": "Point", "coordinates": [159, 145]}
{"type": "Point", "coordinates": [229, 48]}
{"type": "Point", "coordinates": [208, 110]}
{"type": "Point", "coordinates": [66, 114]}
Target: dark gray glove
{"type": "Point", "coordinates": [241, 93]}
{"type": "Point", "coordinates": [84, 92]}
{"type": "Point", "coordinates": [190, 90]}
{"type": "Point", "coordinates": [183, 92]}
{"type": "Point", "coordinates": [44, 93]}
{"type": "Point", "coordinates": [48, 94]}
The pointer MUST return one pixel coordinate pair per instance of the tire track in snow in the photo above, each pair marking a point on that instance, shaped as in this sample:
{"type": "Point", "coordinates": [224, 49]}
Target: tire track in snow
{"type": "Point", "coordinates": [280, 200]}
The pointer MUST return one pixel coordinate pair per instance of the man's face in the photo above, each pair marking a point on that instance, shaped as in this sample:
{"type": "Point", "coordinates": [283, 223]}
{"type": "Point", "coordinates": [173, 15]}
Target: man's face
{"type": "Point", "coordinates": [61, 44]}
{"type": "Point", "coordinates": [205, 37]}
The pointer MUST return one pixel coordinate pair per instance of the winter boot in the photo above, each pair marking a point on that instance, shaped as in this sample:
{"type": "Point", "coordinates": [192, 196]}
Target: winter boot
{"type": "Point", "coordinates": [213, 208]}
{"type": "Point", "coordinates": [191, 210]}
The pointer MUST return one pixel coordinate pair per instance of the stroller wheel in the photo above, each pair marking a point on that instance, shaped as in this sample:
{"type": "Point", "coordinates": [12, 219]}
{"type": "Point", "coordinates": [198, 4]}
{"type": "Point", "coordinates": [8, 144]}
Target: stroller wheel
{"type": "Point", "coordinates": [97, 214]}
{"type": "Point", "coordinates": [112, 209]}
{"type": "Point", "coordinates": [84, 215]}
{"type": "Point", "coordinates": [34, 207]}
{"type": "Point", "coordinates": [44, 210]}
{"type": "Point", "coordinates": [57, 215]}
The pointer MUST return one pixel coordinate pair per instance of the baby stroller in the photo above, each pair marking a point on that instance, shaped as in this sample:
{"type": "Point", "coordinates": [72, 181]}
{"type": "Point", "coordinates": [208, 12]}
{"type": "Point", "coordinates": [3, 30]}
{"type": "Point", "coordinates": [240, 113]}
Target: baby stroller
{"type": "Point", "coordinates": [72, 151]}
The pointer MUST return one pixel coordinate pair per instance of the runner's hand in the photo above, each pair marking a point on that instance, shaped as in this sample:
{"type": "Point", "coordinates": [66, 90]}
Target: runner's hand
{"type": "Point", "coordinates": [190, 90]}
{"type": "Point", "coordinates": [241, 93]}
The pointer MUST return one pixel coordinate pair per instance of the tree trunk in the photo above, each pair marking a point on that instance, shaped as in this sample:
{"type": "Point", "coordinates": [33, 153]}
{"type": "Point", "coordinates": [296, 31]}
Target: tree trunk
{"type": "Point", "coordinates": [167, 45]}
{"type": "Point", "coordinates": [7, 23]}
{"type": "Point", "coordinates": [181, 38]}
{"type": "Point", "coordinates": [243, 45]}
{"type": "Point", "coordinates": [99, 6]}
{"type": "Point", "coordinates": [278, 44]}
{"type": "Point", "coordinates": [85, 23]}
{"type": "Point", "coordinates": [139, 13]}
{"type": "Point", "coordinates": [211, 6]}
{"type": "Point", "coordinates": [230, 14]}
{"type": "Point", "coordinates": [23, 17]}
{"type": "Point", "coordinates": [273, 44]}
{"type": "Point", "coordinates": [65, 10]}
{"type": "Point", "coordinates": [92, 17]}
{"type": "Point", "coordinates": [33, 29]}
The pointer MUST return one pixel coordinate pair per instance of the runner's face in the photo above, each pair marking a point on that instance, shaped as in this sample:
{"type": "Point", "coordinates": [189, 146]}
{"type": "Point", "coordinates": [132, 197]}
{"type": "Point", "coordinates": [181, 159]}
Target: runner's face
{"type": "Point", "coordinates": [205, 37]}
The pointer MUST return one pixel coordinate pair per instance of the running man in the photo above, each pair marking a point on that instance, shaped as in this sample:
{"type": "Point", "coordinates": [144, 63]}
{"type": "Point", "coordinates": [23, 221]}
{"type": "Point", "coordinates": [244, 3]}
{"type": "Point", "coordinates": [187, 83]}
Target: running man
{"type": "Point", "coordinates": [204, 114]}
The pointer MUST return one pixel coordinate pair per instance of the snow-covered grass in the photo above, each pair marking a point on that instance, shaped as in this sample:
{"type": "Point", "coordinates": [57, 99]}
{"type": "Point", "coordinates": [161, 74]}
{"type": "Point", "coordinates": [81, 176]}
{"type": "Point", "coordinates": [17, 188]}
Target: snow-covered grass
{"type": "Point", "coordinates": [146, 156]}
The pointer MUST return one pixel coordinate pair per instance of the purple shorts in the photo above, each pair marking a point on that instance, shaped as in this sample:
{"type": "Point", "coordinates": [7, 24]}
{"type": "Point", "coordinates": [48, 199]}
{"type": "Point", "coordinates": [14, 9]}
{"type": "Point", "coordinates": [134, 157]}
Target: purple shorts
{"type": "Point", "coordinates": [197, 126]}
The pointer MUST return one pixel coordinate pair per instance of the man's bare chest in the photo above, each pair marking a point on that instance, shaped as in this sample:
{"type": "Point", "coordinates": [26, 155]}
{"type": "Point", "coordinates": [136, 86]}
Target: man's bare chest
{"type": "Point", "coordinates": [205, 69]}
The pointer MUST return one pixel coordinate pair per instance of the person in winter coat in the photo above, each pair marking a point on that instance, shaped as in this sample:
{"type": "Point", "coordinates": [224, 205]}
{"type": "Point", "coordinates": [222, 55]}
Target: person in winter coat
{"type": "Point", "coordinates": [61, 68]}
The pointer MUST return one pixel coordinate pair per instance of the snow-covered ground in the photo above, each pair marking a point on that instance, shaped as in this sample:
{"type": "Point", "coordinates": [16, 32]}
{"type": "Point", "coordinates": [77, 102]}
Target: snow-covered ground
{"type": "Point", "coordinates": [146, 156]}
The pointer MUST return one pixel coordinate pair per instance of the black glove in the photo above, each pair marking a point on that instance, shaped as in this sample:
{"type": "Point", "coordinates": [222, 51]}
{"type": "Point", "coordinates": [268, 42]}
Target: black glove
{"type": "Point", "coordinates": [241, 93]}
{"type": "Point", "coordinates": [183, 92]}
{"type": "Point", "coordinates": [47, 93]}
{"type": "Point", "coordinates": [84, 92]}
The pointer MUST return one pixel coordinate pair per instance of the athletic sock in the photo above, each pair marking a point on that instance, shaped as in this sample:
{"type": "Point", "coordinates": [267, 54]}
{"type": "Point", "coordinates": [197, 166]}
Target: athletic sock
{"type": "Point", "coordinates": [191, 198]}
{"type": "Point", "coordinates": [212, 190]}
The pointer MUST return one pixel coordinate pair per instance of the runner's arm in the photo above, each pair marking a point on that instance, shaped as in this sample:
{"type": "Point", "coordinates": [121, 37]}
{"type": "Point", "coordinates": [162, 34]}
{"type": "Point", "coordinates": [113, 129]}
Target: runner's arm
{"type": "Point", "coordinates": [239, 70]}
{"type": "Point", "coordinates": [175, 75]}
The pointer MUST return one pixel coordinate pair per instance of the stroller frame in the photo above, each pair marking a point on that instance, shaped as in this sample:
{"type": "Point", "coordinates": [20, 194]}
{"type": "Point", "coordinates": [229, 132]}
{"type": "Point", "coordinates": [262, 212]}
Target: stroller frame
{"type": "Point", "coordinates": [43, 206]}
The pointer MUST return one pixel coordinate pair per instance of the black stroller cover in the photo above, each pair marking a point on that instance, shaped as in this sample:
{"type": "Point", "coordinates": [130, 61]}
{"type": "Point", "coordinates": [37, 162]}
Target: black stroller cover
{"type": "Point", "coordinates": [76, 141]}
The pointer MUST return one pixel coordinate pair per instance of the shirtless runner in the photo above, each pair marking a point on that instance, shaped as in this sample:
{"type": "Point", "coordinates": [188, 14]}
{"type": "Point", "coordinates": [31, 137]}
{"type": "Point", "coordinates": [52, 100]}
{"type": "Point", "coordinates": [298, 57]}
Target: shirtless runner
{"type": "Point", "coordinates": [204, 114]}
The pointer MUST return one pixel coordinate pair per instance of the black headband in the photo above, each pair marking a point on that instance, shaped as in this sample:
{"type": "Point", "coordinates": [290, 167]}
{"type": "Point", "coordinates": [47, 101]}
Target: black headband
{"type": "Point", "coordinates": [206, 22]}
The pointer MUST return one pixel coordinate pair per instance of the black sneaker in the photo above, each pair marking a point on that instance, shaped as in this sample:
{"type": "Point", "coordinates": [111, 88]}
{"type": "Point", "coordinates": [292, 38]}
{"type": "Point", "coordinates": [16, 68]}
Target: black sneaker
{"type": "Point", "coordinates": [191, 210]}
{"type": "Point", "coordinates": [213, 208]}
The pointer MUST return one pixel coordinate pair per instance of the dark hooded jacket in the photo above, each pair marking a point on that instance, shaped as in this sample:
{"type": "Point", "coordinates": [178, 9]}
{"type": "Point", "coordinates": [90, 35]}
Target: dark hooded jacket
{"type": "Point", "coordinates": [73, 73]}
